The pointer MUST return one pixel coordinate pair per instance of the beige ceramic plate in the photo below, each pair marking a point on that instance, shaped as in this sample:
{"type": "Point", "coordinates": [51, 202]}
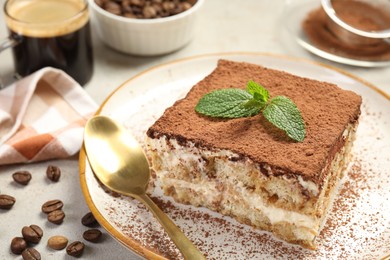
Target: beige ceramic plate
{"type": "Point", "coordinates": [357, 227]}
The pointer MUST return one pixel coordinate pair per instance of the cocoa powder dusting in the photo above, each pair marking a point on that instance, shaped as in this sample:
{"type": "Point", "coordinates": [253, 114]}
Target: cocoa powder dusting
{"type": "Point", "coordinates": [359, 15]}
{"type": "Point", "coordinates": [326, 110]}
{"type": "Point", "coordinates": [357, 226]}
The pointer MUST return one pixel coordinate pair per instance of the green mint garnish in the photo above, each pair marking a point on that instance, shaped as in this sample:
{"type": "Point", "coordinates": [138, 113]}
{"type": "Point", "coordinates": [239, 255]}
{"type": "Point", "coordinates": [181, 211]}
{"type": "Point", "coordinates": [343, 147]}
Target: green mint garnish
{"type": "Point", "coordinates": [284, 114]}
{"type": "Point", "coordinates": [226, 103]}
{"type": "Point", "coordinates": [257, 91]}
{"type": "Point", "coordinates": [235, 103]}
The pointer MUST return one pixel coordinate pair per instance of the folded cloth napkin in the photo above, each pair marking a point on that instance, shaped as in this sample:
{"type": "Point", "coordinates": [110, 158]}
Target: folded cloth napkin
{"type": "Point", "coordinates": [42, 117]}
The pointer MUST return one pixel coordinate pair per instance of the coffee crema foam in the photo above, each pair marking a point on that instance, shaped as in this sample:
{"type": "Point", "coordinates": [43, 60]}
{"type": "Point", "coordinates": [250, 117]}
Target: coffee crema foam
{"type": "Point", "coordinates": [46, 18]}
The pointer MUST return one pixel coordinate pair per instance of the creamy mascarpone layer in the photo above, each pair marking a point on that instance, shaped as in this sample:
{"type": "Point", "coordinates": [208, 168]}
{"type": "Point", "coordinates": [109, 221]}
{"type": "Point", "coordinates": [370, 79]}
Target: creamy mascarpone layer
{"type": "Point", "coordinates": [290, 207]}
{"type": "Point", "coordinates": [275, 215]}
{"type": "Point", "coordinates": [173, 154]}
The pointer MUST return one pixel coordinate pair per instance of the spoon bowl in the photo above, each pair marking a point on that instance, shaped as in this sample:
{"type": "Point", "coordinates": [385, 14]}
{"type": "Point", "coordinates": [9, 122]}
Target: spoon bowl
{"type": "Point", "coordinates": [104, 140]}
{"type": "Point", "coordinates": [119, 162]}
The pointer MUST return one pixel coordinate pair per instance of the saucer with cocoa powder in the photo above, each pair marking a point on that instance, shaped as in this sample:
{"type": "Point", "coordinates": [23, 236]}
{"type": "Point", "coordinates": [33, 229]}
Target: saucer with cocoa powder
{"type": "Point", "coordinates": [311, 27]}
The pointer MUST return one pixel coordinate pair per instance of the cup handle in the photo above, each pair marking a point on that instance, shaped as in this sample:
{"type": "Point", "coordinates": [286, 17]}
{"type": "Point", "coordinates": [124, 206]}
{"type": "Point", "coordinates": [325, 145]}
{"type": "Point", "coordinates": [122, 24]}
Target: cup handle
{"type": "Point", "coordinates": [8, 43]}
{"type": "Point", "coordinates": [5, 44]}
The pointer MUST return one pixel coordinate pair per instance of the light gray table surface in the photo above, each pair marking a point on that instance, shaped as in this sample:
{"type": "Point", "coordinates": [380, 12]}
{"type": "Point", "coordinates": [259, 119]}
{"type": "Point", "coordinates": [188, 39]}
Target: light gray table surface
{"type": "Point", "coordinates": [223, 26]}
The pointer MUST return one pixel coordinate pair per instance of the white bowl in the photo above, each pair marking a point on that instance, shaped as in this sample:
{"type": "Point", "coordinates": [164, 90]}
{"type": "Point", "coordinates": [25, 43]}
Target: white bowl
{"type": "Point", "coordinates": [145, 37]}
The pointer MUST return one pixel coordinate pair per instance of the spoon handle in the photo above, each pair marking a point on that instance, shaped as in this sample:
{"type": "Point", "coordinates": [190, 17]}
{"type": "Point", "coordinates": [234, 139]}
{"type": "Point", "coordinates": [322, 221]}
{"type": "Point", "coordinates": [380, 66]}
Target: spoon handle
{"type": "Point", "coordinates": [185, 246]}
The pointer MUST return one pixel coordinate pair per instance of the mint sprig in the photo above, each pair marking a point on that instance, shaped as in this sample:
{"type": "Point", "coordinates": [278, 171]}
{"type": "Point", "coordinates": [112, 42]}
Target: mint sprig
{"type": "Point", "coordinates": [226, 103]}
{"type": "Point", "coordinates": [235, 103]}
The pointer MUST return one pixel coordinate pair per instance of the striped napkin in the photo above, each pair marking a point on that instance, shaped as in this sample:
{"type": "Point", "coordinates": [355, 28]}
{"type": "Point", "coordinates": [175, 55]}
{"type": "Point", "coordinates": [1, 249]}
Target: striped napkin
{"type": "Point", "coordinates": [42, 117]}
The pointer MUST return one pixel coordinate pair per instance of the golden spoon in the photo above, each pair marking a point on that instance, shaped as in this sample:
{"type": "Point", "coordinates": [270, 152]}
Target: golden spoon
{"type": "Point", "coordinates": [119, 162]}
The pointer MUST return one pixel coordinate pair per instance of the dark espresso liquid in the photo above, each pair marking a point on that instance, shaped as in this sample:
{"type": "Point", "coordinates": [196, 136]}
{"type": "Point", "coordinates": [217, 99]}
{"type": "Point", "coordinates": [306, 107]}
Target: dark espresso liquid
{"type": "Point", "coordinates": [65, 45]}
{"type": "Point", "coordinates": [71, 53]}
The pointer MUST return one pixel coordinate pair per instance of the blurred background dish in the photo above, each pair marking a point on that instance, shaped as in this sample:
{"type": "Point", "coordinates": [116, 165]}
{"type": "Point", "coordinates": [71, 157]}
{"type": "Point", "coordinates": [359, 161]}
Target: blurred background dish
{"type": "Point", "coordinates": [364, 22]}
{"type": "Point", "coordinates": [295, 14]}
{"type": "Point", "coordinates": [144, 36]}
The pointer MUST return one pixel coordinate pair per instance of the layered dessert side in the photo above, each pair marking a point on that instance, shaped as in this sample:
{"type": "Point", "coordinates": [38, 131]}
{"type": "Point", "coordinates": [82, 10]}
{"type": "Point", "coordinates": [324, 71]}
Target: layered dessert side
{"type": "Point", "coordinates": [247, 168]}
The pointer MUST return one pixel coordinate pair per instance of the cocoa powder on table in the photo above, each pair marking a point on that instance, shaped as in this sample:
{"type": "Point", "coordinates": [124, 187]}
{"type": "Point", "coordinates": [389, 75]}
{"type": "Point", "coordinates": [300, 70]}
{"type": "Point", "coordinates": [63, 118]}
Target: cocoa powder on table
{"type": "Point", "coordinates": [359, 15]}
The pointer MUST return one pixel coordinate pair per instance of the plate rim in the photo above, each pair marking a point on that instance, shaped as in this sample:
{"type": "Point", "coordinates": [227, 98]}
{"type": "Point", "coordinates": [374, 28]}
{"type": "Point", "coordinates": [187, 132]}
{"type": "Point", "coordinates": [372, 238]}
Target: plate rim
{"type": "Point", "coordinates": [127, 241]}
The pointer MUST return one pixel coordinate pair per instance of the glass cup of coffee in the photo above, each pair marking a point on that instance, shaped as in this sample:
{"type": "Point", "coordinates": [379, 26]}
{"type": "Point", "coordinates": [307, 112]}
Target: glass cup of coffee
{"type": "Point", "coordinates": [53, 33]}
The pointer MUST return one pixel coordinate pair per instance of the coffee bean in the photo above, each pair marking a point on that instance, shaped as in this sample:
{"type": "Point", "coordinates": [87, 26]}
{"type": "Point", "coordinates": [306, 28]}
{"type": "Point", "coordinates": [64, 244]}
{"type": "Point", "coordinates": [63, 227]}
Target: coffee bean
{"type": "Point", "coordinates": [56, 216]}
{"type": "Point", "coordinates": [145, 9]}
{"type": "Point", "coordinates": [75, 249]}
{"type": "Point", "coordinates": [129, 15]}
{"type": "Point", "coordinates": [168, 6]}
{"type": "Point", "coordinates": [52, 205]}
{"type": "Point", "coordinates": [32, 234]}
{"type": "Point", "coordinates": [113, 7]}
{"type": "Point", "coordinates": [126, 6]}
{"type": "Point", "coordinates": [185, 6]}
{"type": "Point", "coordinates": [22, 177]}
{"type": "Point", "coordinates": [89, 220]}
{"type": "Point", "coordinates": [6, 201]}
{"type": "Point", "coordinates": [31, 254]}
{"type": "Point", "coordinates": [100, 2]}
{"type": "Point", "coordinates": [92, 235]}
{"type": "Point", "coordinates": [57, 242]}
{"type": "Point", "coordinates": [149, 12]}
{"type": "Point", "coordinates": [18, 244]}
{"type": "Point", "coordinates": [53, 173]}
{"type": "Point", "coordinates": [137, 2]}
{"type": "Point", "coordinates": [137, 10]}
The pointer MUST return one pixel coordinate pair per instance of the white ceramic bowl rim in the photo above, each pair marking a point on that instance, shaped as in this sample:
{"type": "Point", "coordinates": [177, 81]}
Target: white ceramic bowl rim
{"type": "Point", "coordinates": [195, 7]}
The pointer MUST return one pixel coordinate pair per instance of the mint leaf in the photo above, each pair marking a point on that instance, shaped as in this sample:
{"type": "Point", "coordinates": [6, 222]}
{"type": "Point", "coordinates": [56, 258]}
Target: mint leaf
{"type": "Point", "coordinates": [227, 103]}
{"type": "Point", "coordinates": [254, 103]}
{"type": "Point", "coordinates": [258, 91]}
{"type": "Point", "coordinates": [284, 114]}
{"type": "Point", "coordinates": [235, 103]}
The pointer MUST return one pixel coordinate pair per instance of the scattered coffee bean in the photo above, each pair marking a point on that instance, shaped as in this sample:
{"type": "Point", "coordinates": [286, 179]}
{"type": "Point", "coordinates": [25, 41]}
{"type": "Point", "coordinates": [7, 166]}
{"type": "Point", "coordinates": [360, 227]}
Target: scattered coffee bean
{"type": "Point", "coordinates": [89, 220]}
{"type": "Point", "coordinates": [32, 234]}
{"type": "Point", "coordinates": [75, 249]}
{"type": "Point", "coordinates": [52, 205]}
{"type": "Point", "coordinates": [6, 201]}
{"type": "Point", "coordinates": [18, 244]}
{"type": "Point", "coordinates": [92, 235]}
{"type": "Point", "coordinates": [31, 254]}
{"type": "Point", "coordinates": [22, 177]}
{"type": "Point", "coordinates": [56, 216]}
{"type": "Point", "coordinates": [53, 173]}
{"type": "Point", "coordinates": [145, 9]}
{"type": "Point", "coordinates": [57, 242]}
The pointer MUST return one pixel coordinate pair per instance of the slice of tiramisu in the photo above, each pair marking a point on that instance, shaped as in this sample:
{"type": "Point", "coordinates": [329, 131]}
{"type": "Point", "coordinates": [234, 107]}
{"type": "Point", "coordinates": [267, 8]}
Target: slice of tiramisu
{"type": "Point", "coordinates": [246, 167]}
